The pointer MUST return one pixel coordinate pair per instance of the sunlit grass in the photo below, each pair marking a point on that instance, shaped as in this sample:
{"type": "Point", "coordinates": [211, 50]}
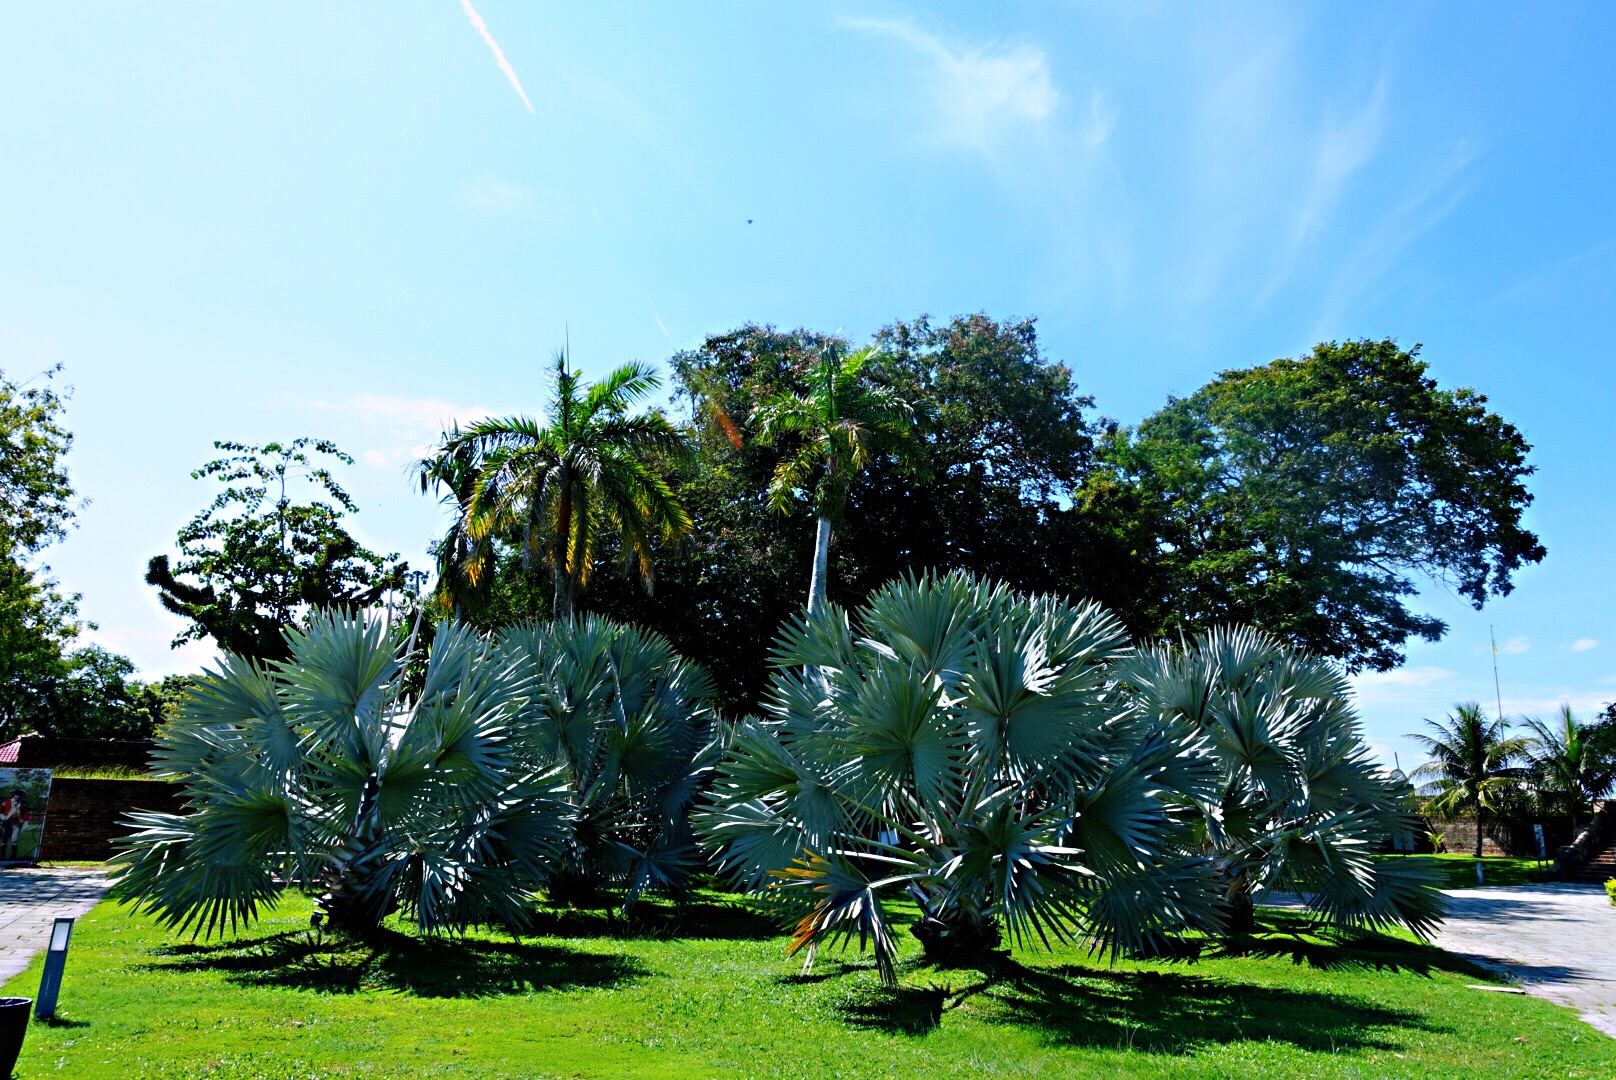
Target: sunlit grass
{"type": "Point", "coordinates": [706, 991]}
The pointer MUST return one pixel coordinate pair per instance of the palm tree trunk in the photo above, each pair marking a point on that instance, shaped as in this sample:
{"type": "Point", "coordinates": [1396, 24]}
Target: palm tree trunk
{"type": "Point", "coordinates": [816, 583]}
{"type": "Point", "coordinates": [561, 606]}
{"type": "Point", "coordinates": [1478, 832]}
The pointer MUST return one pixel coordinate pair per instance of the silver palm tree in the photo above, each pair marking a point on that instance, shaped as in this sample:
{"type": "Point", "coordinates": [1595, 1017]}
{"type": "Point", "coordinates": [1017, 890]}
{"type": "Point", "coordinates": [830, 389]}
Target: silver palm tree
{"type": "Point", "coordinates": [1303, 806]}
{"type": "Point", "coordinates": [629, 725]}
{"type": "Point", "coordinates": [966, 747]}
{"type": "Point", "coordinates": [318, 773]}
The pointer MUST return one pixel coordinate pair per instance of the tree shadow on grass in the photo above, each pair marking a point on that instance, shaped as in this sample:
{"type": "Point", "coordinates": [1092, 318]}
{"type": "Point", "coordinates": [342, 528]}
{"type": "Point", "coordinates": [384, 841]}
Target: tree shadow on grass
{"type": "Point", "coordinates": [429, 967]}
{"type": "Point", "coordinates": [1162, 1012]}
{"type": "Point", "coordinates": [1177, 1010]}
{"type": "Point", "coordinates": [1296, 935]}
{"type": "Point", "coordinates": [698, 918]}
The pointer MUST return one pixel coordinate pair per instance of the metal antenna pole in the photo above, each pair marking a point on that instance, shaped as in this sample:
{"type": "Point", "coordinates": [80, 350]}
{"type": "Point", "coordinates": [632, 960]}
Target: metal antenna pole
{"type": "Point", "coordinates": [1497, 693]}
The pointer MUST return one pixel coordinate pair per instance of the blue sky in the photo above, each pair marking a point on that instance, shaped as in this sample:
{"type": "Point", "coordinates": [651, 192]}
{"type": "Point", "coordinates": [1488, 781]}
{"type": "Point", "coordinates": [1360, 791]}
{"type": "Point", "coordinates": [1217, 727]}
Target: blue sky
{"type": "Point", "coordinates": [259, 221]}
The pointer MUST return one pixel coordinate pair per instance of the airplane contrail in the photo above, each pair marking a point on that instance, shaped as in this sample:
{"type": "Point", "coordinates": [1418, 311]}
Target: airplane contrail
{"type": "Point", "coordinates": [499, 54]}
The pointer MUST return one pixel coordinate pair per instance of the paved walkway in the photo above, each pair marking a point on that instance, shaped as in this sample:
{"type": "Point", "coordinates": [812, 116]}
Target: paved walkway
{"type": "Point", "coordinates": [1558, 941]}
{"type": "Point", "coordinates": [30, 901]}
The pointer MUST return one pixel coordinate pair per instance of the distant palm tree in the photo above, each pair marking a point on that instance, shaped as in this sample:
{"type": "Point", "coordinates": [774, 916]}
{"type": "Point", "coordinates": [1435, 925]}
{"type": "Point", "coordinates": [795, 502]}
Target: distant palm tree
{"type": "Point", "coordinates": [554, 488]}
{"type": "Point", "coordinates": [840, 424]}
{"type": "Point", "coordinates": [1568, 764]}
{"type": "Point", "coordinates": [1473, 764]}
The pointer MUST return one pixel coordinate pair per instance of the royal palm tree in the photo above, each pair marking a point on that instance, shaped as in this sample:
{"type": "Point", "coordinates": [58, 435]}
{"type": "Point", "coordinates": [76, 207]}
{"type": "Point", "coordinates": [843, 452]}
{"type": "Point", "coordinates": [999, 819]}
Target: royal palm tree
{"type": "Point", "coordinates": [553, 489]}
{"type": "Point", "coordinates": [1571, 763]}
{"type": "Point", "coordinates": [1473, 764]}
{"type": "Point", "coordinates": [835, 429]}
{"type": "Point", "coordinates": [1302, 804]}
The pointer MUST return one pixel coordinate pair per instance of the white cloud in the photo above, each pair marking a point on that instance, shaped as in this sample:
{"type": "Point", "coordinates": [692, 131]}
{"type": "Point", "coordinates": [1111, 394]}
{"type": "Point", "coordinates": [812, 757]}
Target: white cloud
{"type": "Point", "coordinates": [1379, 688]}
{"type": "Point", "coordinates": [981, 92]}
{"type": "Point", "coordinates": [1583, 644]}
{"type": "Point", "coordinates": [1516, 645]}
{"type": "Point", "coordinates": [491, 196]}
{"type": "Point", "coordinates": [405, 427]}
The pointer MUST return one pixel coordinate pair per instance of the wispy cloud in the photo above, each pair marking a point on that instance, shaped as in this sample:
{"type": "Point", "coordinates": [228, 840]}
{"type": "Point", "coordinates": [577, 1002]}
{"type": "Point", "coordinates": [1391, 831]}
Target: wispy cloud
{"type": "Point", "coordinates": [1583, 644]}
{"type": "Point", "coordinates": [499, 54]}
{"type": "Point", "coordinates": [1516, 645]}
{"type": "Point", "coordinates": [1379, 688]}
{"type": "Point", "coordinates": [405, 428]}
{"type": "Point", "coordinates": [980, 92]}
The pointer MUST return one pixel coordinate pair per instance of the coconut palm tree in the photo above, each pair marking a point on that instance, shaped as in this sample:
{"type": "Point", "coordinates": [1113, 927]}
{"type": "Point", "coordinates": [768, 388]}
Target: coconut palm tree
{"type": "Point", "coordinates": [835, 429]}
{"type": "Point", "coordinates": [553, 488]}
{"type": "Point", "coordinates": [964, 747]}
{"type": "Point", "coordinates": [318, 773]}
{"type": "Point", "coordinates": [628, 723]}
{"type": "Point", "coordinates": [1570, 764]}
{"type": "Point", "coordinates": [1302, 806]}
{"type": "Point", "coordinates": [1473, 765]}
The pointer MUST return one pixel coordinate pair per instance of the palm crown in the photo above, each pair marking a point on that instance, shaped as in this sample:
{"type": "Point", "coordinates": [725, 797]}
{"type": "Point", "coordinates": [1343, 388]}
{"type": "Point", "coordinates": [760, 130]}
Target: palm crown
{"type": "Point", "coordinates": [835, 430]}
{"type": "Point", "coordinates": [1473, 764]}
{"type": "Point", "coordinates": [1572, 763]}
{"type": "Point", "coordinates": [554, 488]}
{"type": "Point", "coordinates": [964, 746]}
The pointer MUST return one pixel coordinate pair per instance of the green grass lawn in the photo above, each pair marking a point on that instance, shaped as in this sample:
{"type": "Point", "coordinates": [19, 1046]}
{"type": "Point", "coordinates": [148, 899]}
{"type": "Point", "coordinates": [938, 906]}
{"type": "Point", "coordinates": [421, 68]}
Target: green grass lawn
{"type": "Point", "coordinates": [1460, 870]}
{"type": "Point", "coordinates": [707, 992]}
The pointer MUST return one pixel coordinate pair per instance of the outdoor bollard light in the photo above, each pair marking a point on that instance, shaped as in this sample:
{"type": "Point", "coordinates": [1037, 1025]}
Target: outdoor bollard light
{"type": "Point", "coordinates": [50, 983]}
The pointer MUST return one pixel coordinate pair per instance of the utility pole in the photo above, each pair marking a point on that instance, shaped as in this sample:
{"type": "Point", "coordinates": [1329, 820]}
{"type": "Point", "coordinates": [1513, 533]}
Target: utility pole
{"type": "Point", "coordinates": [1497, 693]}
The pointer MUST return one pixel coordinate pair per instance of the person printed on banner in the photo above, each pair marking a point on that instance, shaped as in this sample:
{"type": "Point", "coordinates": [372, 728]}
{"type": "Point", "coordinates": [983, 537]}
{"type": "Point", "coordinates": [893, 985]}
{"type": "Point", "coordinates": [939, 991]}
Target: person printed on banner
{"type": "Point", "coordinates": [13, 816]}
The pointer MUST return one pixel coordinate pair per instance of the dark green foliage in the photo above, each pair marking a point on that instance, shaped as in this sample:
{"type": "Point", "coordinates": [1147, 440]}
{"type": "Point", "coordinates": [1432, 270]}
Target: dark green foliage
{"type": "Point", "coordinates": [256, 559]}
{"type": "Point", "coordinates": [92, 694]}
{"type": "Point", "coordinates": [1306, 496]}
{"type": "Point", "coordinates": [1002, 446]}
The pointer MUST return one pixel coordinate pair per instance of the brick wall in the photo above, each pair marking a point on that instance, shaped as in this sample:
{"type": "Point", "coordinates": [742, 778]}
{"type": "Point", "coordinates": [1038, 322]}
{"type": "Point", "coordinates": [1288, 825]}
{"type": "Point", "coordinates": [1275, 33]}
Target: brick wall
{"type": "Point", "coordinates": [83, 815]}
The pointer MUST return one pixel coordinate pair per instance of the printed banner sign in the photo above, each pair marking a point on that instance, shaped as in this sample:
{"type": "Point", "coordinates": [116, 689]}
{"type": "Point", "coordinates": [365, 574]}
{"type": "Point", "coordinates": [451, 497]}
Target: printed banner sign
{"type": "Point", "coordinates": [23, 795]}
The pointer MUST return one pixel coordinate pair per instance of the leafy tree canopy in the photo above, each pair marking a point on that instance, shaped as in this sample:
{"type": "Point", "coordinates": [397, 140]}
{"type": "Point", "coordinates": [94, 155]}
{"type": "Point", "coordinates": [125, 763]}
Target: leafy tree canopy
{"type": "Point", "coordinates": [256, 559]}
{"type": "Point", "coordinates": [1306, 496]}
{"type": "Point", "coordinates": [37, 620]}
{"type": "Point", "coordinates": [1004, 442]}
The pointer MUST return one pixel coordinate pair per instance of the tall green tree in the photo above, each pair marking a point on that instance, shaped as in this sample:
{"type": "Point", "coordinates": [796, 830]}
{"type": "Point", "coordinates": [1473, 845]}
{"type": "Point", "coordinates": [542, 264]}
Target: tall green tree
{"type": "Point", "coordinates": [38, 621]}
{"type": "Point", "coordinates": [257, 559]}
{"type": "Point", "coordinates": [1474, 765]}
{"type": "Point", "coordinates": [835, 429]}
{"type": "Point", "coordinates": [1571, 765]}
{"type": "Point", "coordinates": [554, 489]}
{"type": "Point", "coordinates": [1308, 497]}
